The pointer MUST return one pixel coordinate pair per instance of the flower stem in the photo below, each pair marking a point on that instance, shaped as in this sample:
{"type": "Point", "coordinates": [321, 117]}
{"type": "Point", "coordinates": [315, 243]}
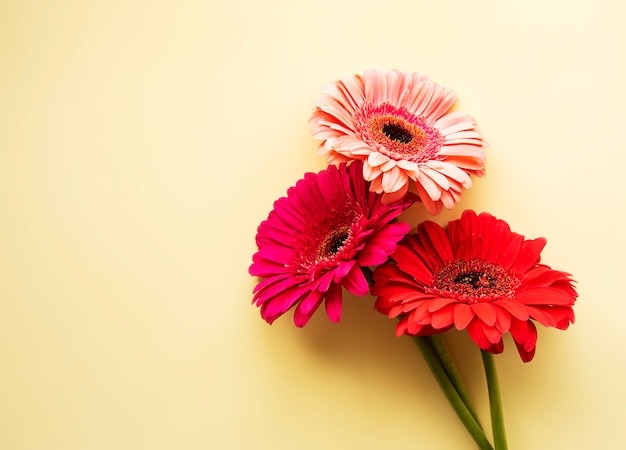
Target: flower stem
{"type": "Point", "coordinates": [437, 369]}
{"type": "Point", "coordinates": [495, 401]}
{"type": "Point", "coordinates": [441, 349]}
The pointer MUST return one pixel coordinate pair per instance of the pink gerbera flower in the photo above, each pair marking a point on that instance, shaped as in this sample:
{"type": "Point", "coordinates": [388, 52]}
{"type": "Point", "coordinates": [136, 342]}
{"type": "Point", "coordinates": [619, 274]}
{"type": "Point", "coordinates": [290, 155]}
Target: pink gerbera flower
{"type": "Point", "coordinates": [400, 126]}
{"type": "Point", "coordinates": [477, 275]}
{"type": "Point", "coordinates": [316, 240]}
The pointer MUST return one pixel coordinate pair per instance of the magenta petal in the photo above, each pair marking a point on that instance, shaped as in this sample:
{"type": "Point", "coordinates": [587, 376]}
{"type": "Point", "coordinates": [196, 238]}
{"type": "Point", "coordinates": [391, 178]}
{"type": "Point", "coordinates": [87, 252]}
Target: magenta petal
{"type": "Point", "coordinates": [355, 282]}
{"type": "Point", "coordinates": [307, 307]}
{"type": "Point", "coordinates": [343, 269]}
{"type": "Point", "coordinates": [333, 303]}
{"type": "Point", "coordinates": [372, 256]}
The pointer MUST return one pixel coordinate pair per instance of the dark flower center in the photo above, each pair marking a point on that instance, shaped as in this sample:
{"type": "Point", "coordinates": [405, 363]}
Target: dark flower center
{"type": "Point", "coordinates": [327, 239]}
{"type": "Point", "coordinates": [333, 242]}
{"type": "Point", "coordinates": [474, 281]}
{"type": "Point", "coordinates": [397, 133]}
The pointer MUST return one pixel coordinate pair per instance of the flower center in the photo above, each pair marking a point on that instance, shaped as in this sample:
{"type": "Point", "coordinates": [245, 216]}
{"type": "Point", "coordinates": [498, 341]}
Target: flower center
{"type": "Point", "coordinates": [397, 133]}
{"type": "Point", "coordinates": [474, 281]}
{"type": "Point", "coordinates": [333, 242]}
{"type": "Point", "coordinates": [327, 239]}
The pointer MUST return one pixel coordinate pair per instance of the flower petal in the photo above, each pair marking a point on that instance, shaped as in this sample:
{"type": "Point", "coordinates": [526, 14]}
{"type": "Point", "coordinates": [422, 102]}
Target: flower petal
{"type": "Point", "coordinates": [333, 303]}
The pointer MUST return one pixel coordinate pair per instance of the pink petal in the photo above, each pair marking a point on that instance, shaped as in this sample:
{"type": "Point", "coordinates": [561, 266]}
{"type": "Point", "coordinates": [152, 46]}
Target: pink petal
{"type": "Point", "coordinates": [392, 197]}
{"type": "Point", "coordinates": [370, 173]}
{"type": "Point", "coordinates": [443, 99]}
{"type": "Point", "coordinates": [454, 122]}
{"type": "Point", "coordinates": [437, 177]}
{"type": "Point", "coordinates": [375, 159]}
{"type": "Point", "coordinates": [428, 185]}
{"type": "Point", "coordinates": [462, 150]}
{"type": "Point", "coordinates": [432, 207]}
{"type": "Point", "coordinates": [394, 180]}
{"type": "Point", "coordinates": [409, 166]}
{"type": "Point", "coordinates": [451, 171]}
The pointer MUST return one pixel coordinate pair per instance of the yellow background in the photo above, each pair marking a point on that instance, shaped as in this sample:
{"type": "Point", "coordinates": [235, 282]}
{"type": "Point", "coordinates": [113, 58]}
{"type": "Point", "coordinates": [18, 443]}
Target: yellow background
{"type": "Point", "coordinates": [141, 143]}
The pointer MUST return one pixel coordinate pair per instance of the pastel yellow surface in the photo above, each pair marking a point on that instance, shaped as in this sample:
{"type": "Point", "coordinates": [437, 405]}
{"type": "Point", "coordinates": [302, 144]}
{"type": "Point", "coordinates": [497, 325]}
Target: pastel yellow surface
{"type": "Point", "coordinates": [142, 142]}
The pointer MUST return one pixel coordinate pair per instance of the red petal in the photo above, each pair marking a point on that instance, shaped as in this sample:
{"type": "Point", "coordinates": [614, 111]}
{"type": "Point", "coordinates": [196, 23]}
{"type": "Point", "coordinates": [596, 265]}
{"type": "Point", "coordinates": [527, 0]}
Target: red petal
{"type": "Point", "coordinates": [476, 332]}
{"type": "Point", "coordinates": [493, 335]}
{"type": "Point", "coordinates": [411, 263]}
{"type": "Point", "coordinates": [546, 296]}
{"type": "Point", "coordinates": [485, 312]}
{"type": "Point", "coordinates": [517, 310]}
{"type": "Point", "coordinates": [443, 318]}
{"type": "Point", "coordinates": [434, 235]}
{"type": "Point", "coordinates": [496, 348]}
{"type": "Point", "coordinates": [524, 334]}
{"type": "Point", "coordinates": [463, 315]}
{"type": "Point", "coordinates": [508, 257]}
{"type": "Point", "coordinates": [529, 255]}
{"type": "Point", "coordinates": [438, 303]}
{"type": "Point", "coordinates": [503, 319]}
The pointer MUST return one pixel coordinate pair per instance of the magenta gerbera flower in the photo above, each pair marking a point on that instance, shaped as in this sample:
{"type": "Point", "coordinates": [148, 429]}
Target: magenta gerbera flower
{"type": "Point", "coordinates": [316, 240]}
{"type": "Point", "coordinates": [477, 275]}
{"type": "Point", "coordinates": [400, 125]}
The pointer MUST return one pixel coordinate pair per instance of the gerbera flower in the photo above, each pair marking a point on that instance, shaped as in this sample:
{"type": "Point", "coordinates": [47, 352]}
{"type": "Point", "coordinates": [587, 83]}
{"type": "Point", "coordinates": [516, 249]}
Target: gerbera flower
{"type": "Point", "coordinates": [477, 275]}
{"type": "Point", "coordinates": [400, 126]}
{"type": "Point", "coordinates": [316, 240]}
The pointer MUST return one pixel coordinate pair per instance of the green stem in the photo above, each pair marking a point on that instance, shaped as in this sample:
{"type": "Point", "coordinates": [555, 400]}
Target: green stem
{"type": "Point", "coordinates": [440, 347]}
{"type": "Point", "coordinates": [436, 367]}
{"type": "Point", "coordinates": [495, 401]}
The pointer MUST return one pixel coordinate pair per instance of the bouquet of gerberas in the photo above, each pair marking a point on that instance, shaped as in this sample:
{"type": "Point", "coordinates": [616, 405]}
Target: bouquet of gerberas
{"type": "Point", "coordinates": [383, 134]}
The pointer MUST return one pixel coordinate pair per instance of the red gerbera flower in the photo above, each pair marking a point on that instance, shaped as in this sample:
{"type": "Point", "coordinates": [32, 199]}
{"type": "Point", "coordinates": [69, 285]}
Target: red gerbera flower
{"type": "Point", "coordinates": [317, 239]}
{"type": "Point", "coordinates": [476, 275]}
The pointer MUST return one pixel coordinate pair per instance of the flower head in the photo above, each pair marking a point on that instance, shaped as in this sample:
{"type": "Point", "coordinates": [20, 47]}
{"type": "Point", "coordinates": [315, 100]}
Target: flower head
{"type": "Point", "coordinates": [400, 126]}
{"type": "Point", "coordinates": [316, 240]}
{"type": "Point", "coordinates": [477, 275]}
